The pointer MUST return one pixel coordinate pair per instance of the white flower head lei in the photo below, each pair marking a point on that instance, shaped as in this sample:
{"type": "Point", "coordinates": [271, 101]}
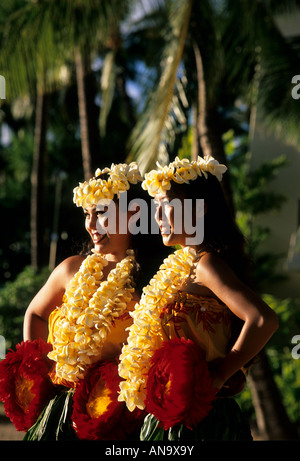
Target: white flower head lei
{"type": "Point", "coordinates": [91, 305]}
{"type": "Point", "coordinates": [145, 334]}
{"type": "Point", "coordinates": [120, 177]}
{"type": "Point", "coordinates": [181, 171]}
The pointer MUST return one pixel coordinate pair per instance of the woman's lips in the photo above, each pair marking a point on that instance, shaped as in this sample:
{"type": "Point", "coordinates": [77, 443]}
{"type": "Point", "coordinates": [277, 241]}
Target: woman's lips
{"type": "Point", "coordinates": [97, 238]}
{"type": "Point", "coordinates": [164, 230]}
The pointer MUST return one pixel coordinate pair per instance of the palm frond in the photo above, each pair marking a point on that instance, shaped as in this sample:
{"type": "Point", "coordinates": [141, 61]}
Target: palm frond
{"type": "Point", "coordinates": [31, 48]}
{"type": "Point", "coordinates": [155, 130]}
{"type": "Point", "coordinates": [260, 63]}
{"type": "Point", "coordinates": [40, 36]}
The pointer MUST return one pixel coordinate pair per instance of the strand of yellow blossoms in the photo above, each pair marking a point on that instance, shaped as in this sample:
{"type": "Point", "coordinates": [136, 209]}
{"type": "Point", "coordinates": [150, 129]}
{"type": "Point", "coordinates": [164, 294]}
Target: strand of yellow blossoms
{"type": "Point", "coordinates": [145, 334]}
{"type": "Point", "coordinates": [120, 177]}
{"type": "Point", "coordinates": [181, 171]}
{"type": "Point", "coordinates": [88, 310]}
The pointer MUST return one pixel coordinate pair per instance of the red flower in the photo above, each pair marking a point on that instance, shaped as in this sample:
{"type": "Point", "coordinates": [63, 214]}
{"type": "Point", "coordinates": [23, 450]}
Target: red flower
{"type": "Point", "coordinates": [24, 383]}
{"type": "Point", "coordinates": [179, 385]}
{"type": "Point", "coordinates": [97, 414]}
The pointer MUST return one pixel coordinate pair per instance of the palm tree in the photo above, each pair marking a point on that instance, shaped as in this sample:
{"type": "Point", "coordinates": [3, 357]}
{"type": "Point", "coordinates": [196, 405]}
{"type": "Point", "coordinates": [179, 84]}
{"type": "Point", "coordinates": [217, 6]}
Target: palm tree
{"type": "Point", "coordinates": [82, 70]}
{"type": "Point", "coordinates": [37, 215]}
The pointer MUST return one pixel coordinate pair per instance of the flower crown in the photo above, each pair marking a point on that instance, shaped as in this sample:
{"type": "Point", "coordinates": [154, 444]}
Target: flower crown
{"type": "Point", "coordinates": [181, 171]}
{"type": "Point", "coordinates": [119, 179]}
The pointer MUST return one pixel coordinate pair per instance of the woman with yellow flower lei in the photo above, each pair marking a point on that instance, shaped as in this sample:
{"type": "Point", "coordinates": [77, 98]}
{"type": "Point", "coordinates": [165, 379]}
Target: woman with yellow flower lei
{"type": "Point", "coordinates": [75, 326]}
{"type": "Point", "coordinates": [86, 294]}
{"type": "Point", "coordinates": [198, 324]}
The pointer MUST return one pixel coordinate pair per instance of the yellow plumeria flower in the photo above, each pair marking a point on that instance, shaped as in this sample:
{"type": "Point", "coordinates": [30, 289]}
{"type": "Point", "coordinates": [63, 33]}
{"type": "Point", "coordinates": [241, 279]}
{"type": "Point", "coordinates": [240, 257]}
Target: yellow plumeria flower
{"type": "Point", "coordinates": [120, 177]}
{"type": "Point", "coordinates": [181, 171]}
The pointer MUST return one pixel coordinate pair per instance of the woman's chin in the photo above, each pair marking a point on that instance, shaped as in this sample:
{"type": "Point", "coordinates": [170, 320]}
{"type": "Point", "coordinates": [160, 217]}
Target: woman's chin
{"type": "Point", "coordinates": [100, 246]}
{"type": "Point", "coordinates": [167, 239]}
{"type": "Point", "coordinates": [172, 240]}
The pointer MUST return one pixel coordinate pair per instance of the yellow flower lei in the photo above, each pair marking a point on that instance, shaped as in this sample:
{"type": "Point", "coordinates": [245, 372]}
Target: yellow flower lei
{"type": "Point", "coordinates": [88, 310]}
{"type": "Point", "coordinates": [181, 171]}
{"type": "Point", "coordinates": [120, 177]}
{"type": "Point", "coordinates": [145, 335]}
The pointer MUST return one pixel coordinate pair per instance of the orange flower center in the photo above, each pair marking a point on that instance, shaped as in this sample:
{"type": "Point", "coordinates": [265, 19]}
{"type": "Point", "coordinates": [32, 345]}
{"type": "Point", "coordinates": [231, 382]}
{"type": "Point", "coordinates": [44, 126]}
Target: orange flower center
{"type": "Point", "coordinates": [23, 392]}
{"type": "Point", "coordinates": [168, 386]}
{"type": "Point", "coordinates": [99, 399]}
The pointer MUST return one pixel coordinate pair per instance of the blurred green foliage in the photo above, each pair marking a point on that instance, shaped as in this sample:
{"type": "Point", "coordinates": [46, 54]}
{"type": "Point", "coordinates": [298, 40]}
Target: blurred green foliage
{"type": "Point", "coordinates": [252, 197]}
{"type": "Point", "coordinates": [286, 369]}
{"type": "Point", "coordinates": [15, 297]}
{"type": "Point", "coordinates": [279, 350]}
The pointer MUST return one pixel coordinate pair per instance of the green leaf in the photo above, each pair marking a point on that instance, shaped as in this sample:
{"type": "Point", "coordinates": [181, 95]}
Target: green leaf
{"type": "Point", "coordinates": [151, 429]}
{"type": "Point", "coordinates": [54, 422]}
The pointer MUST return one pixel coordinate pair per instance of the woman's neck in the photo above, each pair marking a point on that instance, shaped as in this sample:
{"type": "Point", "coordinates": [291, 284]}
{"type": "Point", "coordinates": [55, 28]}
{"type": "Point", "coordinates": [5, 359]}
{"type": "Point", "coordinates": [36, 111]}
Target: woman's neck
{"type": "Point", "coordinates": [115, 257]}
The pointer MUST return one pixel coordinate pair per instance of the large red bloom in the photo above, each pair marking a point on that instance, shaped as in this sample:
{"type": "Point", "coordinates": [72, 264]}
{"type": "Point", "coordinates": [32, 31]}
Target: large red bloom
{"type": "Point", "coordinates": [97, 414]}
{"type": "Point", "coordinates": [24, 383]}
{"type": "Point", "coordinates": [179, 385]}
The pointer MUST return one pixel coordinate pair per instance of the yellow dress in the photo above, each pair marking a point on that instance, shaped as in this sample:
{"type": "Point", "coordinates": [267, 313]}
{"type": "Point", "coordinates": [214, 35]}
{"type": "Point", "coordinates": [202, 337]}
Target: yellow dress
{"type": "Point", "coordinates": [206, 321]}
{"type": "Point", "coordinates": [112, 345]}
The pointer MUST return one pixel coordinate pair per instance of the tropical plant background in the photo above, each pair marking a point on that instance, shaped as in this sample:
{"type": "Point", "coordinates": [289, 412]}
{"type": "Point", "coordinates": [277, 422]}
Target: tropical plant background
{"type": "Point", "coordinates": [95, 82]}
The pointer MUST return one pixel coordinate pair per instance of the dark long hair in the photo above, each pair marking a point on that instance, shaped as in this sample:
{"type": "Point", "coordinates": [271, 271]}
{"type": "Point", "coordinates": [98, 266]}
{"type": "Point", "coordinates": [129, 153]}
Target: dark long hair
{"type": "Point", "coordinates": [149, 248]}
{"type": "Point", "coordinates": [221, 233]}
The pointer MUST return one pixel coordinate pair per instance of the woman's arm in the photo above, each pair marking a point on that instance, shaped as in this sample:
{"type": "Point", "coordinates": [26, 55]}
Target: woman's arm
{"type": "Point", "coordinates": [48, 298]}
{"type": "Point", "coordinates": [260, 321]}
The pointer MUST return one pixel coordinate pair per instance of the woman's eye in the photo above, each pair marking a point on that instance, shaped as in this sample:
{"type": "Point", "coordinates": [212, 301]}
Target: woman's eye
{"type": "Point", "coordinates": [165, 203]}
{"type": "Point", "coordinates": [101, 212]}
{"type": "Point", "coordinates": [162, 203]}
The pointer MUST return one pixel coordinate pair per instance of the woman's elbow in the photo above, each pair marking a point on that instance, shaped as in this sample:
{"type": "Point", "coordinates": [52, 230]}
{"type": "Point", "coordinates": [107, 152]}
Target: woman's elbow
{"type": "Point", "coordinates": [26, 324]}
{"type": "Point", "coordinates": [270, 321]}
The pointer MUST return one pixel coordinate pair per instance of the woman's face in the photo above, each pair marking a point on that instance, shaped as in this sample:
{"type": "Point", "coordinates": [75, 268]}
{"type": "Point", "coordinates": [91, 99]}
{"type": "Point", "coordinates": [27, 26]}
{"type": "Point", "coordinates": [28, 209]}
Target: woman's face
{"type": "Point", "coordinates": [105, 242]}
{"type": "Point", "coordinates": [169, 222]}
{"type": "Point", "coordinates": [180, 220]}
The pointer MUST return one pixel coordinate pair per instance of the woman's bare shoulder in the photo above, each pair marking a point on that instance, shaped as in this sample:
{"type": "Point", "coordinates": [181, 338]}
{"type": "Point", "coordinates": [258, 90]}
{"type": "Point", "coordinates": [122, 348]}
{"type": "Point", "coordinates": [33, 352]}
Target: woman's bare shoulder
{"type": "Point", "coordinates": [67, 269]}
{"type": "Point", "coordinates": [72, 263]}
{"type": "Point", "coordinates": [210, 262]}
{"type": "Point", "coordinates": [211, 268]}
